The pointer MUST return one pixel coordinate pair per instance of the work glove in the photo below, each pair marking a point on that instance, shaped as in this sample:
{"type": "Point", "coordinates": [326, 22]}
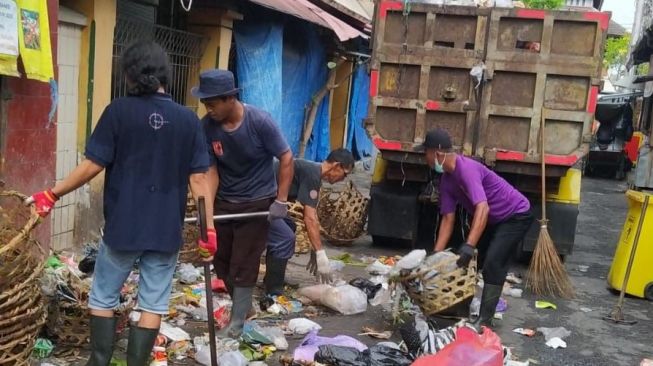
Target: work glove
{"type": "Point", "coordinates": [43, 202]}
{"type": "Point", "coordinates": [319, 266]}
{"type": "Point", "coordinates": [278, 210]}
{"type": "Point", "coordinates": [465, 253]}
{"type": "Point", "coordinates": [208, 248]}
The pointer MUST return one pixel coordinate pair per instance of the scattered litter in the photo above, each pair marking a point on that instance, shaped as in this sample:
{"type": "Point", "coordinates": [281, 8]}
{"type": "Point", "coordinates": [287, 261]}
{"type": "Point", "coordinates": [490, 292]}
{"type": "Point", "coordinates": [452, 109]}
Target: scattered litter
{"type": "Point", "coordinates": [389, 345]}
{"type": "Point", "coordinates": [516, 363]}
{"type": "Point", "coordinates": [233, 358]}
{"type": "Point", "coordinates": [583, 268]}
{"type": "Point", "coordinates": [502, 306]}
{"type": "Point", "coordinates": [174, 334]}
{"type": "Point", "coordinates": [159, 356]}
{"type": "Point", "coordinates": [188, 274]}
{"type": "Point", "coordinates": [311, 343]}
{"type": "Point", "coordinates": [410, 261]}
{"type": "Point", "coordinates": [347, 299]}
{"type": "Point", "coordinates": [383, 296]}
{"type": "Point", "coordinates": [498, 316]}
{"type": "Point", "coordinates": [524, 331]}
{"type": "Point", "coordinates": [42, 348]}
{"type": "Point", "coordinates": [347, 258]}
{"type": "Point", "coordinates": [313, 293]}
{"type": "Point", "coordinates": [556, 343]}
{"type": "Point", "coordinates": [378, 268]}
{"type": "Point", "coordinates": [336, 266]}
{"type": "Point", "coordinates": [218, 285]}
{"type": "Point", "coordinates": [513, 292]}
{"type": "Point", "coordinates": [369, 288]}
{"type": "Point", "coordinates": [545, 305]}
{"type": "Point", "coordinates": [302, 326]}
{"type": "Point", "coordinates": [252, 334]}
{"type": "Point", "coordinates": [276, 335]}
{"type": "Point", "coordinates": [549, 333]}
{"type": "Point", "coordinates": [585, 310]}
{"type": "Point", "coordinates": [514, 279]}
{"type": "Point", "coordinates": [275, 309]}
{"type": "Point", "coordinates": [368, 331]}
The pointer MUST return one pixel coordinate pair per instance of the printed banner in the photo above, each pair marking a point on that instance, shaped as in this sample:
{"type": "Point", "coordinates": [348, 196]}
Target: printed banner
{"type": "Point", "coordinates": [34, 39]}
{"type": "Point", "coordinates": [8, 38]}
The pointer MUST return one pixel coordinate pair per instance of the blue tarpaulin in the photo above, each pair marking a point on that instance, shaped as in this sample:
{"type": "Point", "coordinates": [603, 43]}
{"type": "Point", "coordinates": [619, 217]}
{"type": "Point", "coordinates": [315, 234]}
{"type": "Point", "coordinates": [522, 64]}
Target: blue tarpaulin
{"type": "Point", "coordinates": [358, 141]}
{"type": "Point", "coordinates": [280, 73]}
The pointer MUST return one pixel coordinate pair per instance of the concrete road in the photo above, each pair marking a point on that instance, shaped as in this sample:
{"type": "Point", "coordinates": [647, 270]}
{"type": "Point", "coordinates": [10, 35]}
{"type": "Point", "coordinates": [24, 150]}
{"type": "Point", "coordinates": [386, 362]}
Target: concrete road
{"type": "Point", "coordinates": [593, 341]}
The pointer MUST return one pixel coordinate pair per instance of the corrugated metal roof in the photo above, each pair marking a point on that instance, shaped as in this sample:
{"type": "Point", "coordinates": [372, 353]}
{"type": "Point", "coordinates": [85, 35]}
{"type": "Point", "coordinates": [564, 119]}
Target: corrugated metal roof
{"type": "Point", "coordinates": [303, 9]}
{"type": "Point", "coordinates": [364, 8]}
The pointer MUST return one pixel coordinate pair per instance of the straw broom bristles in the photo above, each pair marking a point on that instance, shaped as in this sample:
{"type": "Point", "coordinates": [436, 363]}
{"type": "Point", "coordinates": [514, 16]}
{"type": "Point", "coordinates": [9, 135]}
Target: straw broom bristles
{"type": "Point", "coordinates": [546, 273]}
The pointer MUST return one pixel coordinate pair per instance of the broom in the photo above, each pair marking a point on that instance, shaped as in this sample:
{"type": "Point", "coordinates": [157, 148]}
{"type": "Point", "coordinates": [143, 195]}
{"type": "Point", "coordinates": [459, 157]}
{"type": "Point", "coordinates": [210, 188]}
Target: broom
{"type": "Point", "coordinates": [546, 273]}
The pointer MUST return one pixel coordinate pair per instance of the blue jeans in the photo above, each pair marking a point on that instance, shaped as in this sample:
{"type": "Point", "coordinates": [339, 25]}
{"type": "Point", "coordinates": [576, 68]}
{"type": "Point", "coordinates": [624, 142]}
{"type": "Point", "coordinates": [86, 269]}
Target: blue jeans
{"type": "Point", "coordinates": [112, 267]}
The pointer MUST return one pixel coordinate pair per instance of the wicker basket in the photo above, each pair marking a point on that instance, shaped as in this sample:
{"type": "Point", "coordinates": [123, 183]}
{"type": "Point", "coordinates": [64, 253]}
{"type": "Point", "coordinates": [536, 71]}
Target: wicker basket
{"type": "Point", "coordinates": [22, 313]}
{"type": "Point", "coordinates": [342, 214]}
{"type": "Point", "coordinates": [434, 294]}
{"type": "Point", "coordinates": [296, 213]}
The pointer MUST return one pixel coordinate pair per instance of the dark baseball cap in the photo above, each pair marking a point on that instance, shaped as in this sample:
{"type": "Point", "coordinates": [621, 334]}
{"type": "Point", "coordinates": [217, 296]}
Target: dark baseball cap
{"type": "Point", "coordinates": [437, 139]}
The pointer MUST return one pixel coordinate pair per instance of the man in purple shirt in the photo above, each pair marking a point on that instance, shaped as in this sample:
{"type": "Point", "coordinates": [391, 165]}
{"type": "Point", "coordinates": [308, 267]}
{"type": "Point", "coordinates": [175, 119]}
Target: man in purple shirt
{"type": "Point", "coordinates": [501, 216]}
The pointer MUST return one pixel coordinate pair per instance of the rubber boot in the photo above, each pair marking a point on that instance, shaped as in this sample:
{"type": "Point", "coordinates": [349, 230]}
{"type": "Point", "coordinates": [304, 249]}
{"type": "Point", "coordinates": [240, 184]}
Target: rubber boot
{"type": "Point", "coordinates": [140, 344]}
{"type": "Point", "coordinates": [103, 334]}
{"type": "Point", "coordinates": [489, 301]}
{"type": "Point", "coordinates": [242, 303]}
{"type": "Point", "coordinates": [275, 273]}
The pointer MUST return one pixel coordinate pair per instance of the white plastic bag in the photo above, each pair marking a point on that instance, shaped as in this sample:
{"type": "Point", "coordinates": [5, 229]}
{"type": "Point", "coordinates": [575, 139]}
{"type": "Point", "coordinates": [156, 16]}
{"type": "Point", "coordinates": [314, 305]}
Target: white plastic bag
{"type": "Point", "coordinates": [275, 334]}
{"type": "Point", "coordinates": [302, 326]}
{"type": "Point", "coordinates": [410, 261]}
{"type": "Point", "coordinates": [378, 268]}
{"type": "Point", "coordinates": [314, 293]}
{"type": "Point", "coordinates": [188, 274]}
{"type": "Point", "coordinates": [347, 300]}
{"type": "Point", "coordinates": [233, 358]}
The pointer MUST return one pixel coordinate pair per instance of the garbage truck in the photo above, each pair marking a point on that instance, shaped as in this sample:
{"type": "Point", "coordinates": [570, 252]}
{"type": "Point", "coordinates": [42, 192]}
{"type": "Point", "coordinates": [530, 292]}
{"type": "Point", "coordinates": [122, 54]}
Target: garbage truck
{"type": "Point", "coordinates": [488, 76]}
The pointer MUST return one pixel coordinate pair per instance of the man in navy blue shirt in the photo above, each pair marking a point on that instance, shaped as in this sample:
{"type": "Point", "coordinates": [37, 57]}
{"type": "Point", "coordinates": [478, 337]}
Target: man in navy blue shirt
{"type": "Point", "coordinates": [243, 141]}
{"type": "Point", "coordinates": [150, 149]}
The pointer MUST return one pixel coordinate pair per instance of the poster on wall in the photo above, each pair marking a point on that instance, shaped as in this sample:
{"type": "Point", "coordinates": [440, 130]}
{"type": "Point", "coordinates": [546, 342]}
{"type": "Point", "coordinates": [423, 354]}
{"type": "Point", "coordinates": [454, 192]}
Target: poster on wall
{"type": "Point", "coordinates": [34, 39]}
{"type": "Point", "coordinates": [8, 38]}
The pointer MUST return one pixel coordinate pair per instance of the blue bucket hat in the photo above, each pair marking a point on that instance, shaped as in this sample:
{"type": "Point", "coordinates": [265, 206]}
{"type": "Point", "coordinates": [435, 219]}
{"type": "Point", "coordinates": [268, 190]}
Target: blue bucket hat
{"type": "Point", "coordinates": [215, 83]}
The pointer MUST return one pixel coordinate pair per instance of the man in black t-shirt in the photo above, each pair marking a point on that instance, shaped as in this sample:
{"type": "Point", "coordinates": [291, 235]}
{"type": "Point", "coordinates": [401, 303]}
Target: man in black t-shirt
{"type": "Point", "coordinates": [305, 188]}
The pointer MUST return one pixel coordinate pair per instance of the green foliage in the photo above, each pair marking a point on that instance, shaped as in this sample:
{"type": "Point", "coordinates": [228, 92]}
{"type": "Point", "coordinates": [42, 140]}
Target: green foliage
{"type": "Point", "coordinates": [616, 51]}
{"type": "Point", "coordinates": [544, 4]}
{"type": "Point", "coordinates": [642, 69]}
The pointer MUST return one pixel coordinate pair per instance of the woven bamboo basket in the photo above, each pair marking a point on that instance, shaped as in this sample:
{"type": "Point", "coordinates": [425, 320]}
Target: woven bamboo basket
{"type": "Point", "coordinates": [296, 213]}
{"type": "Point", "coordinates": [436, 293]}
{"type": "Point", "coordinates": [189, 252]}
{"type": "Point", "coordinates": [22, 313]}
{"type": "Point", "coordinates": [342, 214]}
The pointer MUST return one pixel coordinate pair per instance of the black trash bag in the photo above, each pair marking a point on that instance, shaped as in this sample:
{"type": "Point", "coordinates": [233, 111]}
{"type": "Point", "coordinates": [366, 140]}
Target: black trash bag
{"type": "Point", "coordinates": [341, 356]}
{"type": "Point", "coordinates": [87, 265]}
{"type": "Point", "coordinates": [369, 288]}
{"type": "Point", "coordinates": [386, 356]}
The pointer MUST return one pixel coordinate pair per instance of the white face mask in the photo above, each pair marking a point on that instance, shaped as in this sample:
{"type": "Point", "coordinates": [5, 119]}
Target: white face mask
{"type": "Point", "coordinates": [439, 167]}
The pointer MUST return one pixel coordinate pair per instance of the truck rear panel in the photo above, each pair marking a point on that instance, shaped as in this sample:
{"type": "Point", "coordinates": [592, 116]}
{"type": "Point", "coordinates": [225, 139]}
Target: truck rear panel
{"type": "Point", "coordinates": [537, 62]}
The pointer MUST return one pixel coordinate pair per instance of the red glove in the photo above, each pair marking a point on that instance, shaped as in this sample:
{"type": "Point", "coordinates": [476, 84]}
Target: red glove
{"type": "Point", "coordinates": [43, 201]}
{"type": "Point", "coordinates": [209, 247]}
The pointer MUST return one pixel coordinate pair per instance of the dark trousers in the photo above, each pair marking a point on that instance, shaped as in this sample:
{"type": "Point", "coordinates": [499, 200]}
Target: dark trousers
{"type": "Point", "coordinates": [499, 244]}
{"type": "Point", "coordinates": [240, 243]}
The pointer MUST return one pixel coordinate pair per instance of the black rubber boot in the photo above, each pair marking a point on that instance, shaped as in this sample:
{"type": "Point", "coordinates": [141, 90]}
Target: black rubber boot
{"type": "Point", "coordinates": [139, 347]}
{"type": "Point", "coordinates": [103, 334]}
{"type": "Point", "coordinates": [275, 273]}
{"type": "Point", "coordinates": [242, 303]}
{"type": "Point", "coordinates": [489, 301]}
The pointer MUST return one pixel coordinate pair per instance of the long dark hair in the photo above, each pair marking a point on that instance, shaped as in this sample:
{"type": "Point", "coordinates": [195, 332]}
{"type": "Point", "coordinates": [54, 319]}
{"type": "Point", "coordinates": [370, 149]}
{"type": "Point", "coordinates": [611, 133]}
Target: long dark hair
{"type": "Point", "coordinates": [146, 66]}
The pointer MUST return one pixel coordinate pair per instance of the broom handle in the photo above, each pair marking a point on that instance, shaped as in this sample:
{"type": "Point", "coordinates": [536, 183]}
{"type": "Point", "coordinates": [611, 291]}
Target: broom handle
{"type": "Point", "coordinates": [542, 129]}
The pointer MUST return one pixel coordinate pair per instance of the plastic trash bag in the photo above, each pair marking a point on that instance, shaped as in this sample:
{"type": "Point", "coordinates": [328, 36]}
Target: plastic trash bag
{"type": "Point", "coordinates": [378, 268]}
{"type": "Point", "coordinates": [233, 358]}
{"type": "Point", "coordinates": [302, 326]}
{"type": "Point", "coordinates": [340, 356]}
{"type": "Point", "coordinates": [369, 288]}
{"type": "Point", "coordinates": [469, 349]}
{"type": "Point", "coordinates": [310, 345]}
{"type": "Point", "coordinates": [276, 335]}
{"type": "Point", "coordinates": [347, 300]}
{"type": "Point", "coordinates": [348, 356]}
{"type": "Point", "coordinates": [386, 356]}
{"type": "Point", "coordinates": [314, 293]}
